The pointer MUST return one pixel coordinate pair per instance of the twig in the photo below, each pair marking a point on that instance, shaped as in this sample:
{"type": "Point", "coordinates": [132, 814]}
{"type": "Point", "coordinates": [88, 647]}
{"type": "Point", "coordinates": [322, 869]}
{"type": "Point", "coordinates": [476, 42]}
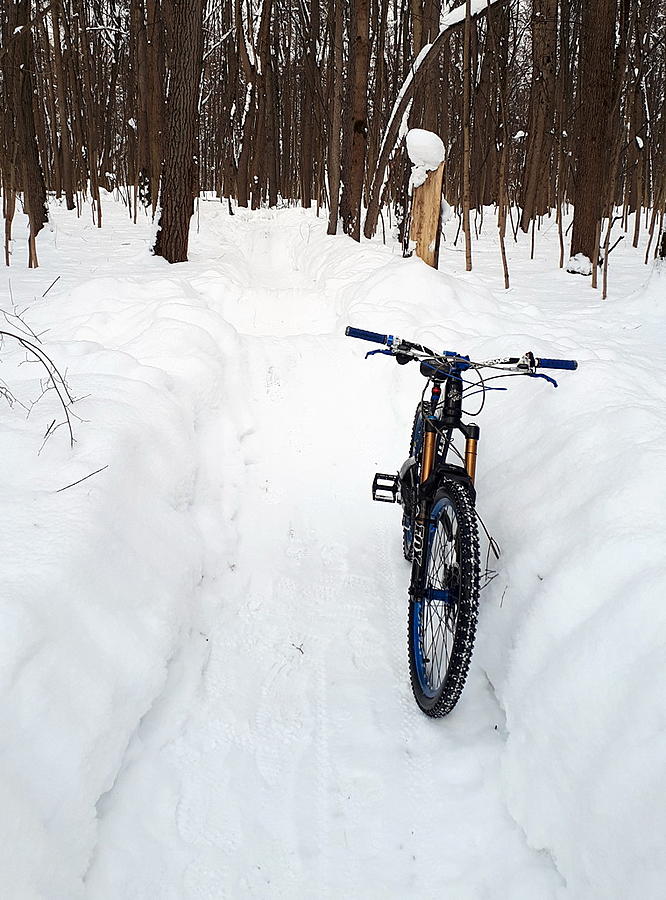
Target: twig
{"type": "Point", "coordinates": [610, 249]}
{"type": "Point", "coordinates": [10, 316]}
{"type": "Point", "coordinates": [57, 379]}
{"type": "Point", "coordinates": [85, 477]}
{"type": "Point", "coordinates": [50, 286]}
{"type": "Point", "coordinates": [49, 431]}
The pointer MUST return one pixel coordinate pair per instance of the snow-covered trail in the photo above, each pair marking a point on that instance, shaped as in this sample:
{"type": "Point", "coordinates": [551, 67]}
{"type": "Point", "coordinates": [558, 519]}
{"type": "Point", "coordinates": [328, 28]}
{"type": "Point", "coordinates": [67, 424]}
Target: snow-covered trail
{"type": "Point", "coordinates": [203, 647]}
{"type": "Point", "coordinates": [301, 767]}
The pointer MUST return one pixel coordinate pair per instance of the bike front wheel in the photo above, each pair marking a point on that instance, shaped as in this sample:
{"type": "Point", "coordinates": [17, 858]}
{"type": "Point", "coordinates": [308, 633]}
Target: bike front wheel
{"type": "Point", "coordinates": [444, 601]}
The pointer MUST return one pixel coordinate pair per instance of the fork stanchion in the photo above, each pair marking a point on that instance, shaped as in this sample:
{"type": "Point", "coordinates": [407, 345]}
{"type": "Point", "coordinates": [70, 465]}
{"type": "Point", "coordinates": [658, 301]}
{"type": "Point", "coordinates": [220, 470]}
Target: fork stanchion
{"type": "Point", "coordinates": [470, 457]}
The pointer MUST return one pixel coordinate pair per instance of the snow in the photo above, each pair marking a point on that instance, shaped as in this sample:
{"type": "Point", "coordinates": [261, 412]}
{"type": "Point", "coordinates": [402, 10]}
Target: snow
{"type": "Point", "coordinates": [426, 152]}
{"type": "Point", "coordinates": [458, 14]}
{"type": "Point", "coordinates": [202, 662]}
{"type": "Point", "coordinates": [446, 213]}
{"type": "Point", "coordinates": [579, 265]}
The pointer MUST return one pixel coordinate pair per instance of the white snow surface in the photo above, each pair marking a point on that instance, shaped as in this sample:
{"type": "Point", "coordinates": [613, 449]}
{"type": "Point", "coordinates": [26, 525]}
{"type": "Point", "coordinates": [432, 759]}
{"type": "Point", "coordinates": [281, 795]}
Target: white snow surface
{"type": "Point", "coordinates": [203, 647]}
{"type": "Point", "coordinates": [426, 152]}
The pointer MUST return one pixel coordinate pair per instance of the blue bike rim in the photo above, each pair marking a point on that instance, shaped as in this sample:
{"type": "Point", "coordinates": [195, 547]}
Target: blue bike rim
{"type": "Point", "coordinates": [427, 609]}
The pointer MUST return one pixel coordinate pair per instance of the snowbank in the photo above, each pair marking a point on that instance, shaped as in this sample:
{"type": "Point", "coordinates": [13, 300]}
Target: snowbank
{"type": "Point", "coordinates": [575, 642]}
{"type": "Point", "coordinates": [572, 483]}
{"type": "Point", "coordinates": [101, 580]}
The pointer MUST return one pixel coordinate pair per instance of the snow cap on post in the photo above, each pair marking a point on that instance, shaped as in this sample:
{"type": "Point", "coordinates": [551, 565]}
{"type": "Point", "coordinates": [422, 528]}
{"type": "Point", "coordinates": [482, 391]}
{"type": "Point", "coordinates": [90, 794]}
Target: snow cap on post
{"type": "Point", "coordinates": [426, 152]}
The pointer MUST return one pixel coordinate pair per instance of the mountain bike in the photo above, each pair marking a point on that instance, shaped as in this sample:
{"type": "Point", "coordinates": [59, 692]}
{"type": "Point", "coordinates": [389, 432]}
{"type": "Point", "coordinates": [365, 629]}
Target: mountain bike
{"type": "Point", "coordinates": [439, 519]}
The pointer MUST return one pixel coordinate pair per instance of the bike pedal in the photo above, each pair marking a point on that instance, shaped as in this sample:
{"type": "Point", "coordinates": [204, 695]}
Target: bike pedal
{"type": "Point", "coordinates": [386, 488]}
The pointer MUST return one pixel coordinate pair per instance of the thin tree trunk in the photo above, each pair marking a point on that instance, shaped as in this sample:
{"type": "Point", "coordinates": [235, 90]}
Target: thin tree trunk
{"type": "Point", "coordinates": [336, 121]}
{"type": "Point", "coordinates": [544, 56]}
{"type": "Point", "coordinates": [65, 143]}
{"type": "Point", "coordinates": [354, 165]}
{"type": "Point", "coordinates": [31, 174]}
{"type": "Point", "coordinates": [467, 79]}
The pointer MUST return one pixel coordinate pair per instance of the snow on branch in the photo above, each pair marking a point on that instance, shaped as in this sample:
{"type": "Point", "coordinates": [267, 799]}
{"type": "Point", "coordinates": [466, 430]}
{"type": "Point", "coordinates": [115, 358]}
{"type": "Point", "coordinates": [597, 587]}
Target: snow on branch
{"type": "Point", "coordinates": [392, 134]}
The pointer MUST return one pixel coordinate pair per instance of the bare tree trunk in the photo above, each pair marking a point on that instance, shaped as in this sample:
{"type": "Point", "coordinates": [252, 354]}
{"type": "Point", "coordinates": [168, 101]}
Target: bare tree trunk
{"type": "Point", "coordinates": [65, 142]}
{"type": "Point", "coordinates": [595, 93]}
{"type": "Point", "coordinates": [539, 147]}
{"type": "Point", "coordinates": [467, 77]}
{"type": "Point", "coordinates": [178, 174]}
{"type": "Point", "coordinates": [336, 121]}
{"type": "Point", "coordinates": [30, 170]}
{"type": "Point", "coordinates": [354, 164]}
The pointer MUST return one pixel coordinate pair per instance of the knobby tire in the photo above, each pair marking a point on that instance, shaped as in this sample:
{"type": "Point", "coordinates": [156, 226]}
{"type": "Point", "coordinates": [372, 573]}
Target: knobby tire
{"type": "Point", "coordinates": [442, 631]}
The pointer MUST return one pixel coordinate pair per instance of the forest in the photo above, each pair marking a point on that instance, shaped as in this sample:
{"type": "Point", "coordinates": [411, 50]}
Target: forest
{"type": "Point", "coordinates": [225, 672]}
{"type": "Point", "coordinates": [541, 104]}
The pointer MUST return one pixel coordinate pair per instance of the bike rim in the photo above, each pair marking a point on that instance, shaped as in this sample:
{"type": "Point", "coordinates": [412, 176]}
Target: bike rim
{"type": "Point", "coordinates": [436, 613]}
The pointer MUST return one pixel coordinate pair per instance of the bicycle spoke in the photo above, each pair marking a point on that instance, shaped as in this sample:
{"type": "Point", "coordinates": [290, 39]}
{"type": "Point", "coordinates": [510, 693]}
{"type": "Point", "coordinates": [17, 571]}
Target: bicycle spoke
{"type": "Point", "coordinates": [438, 618]}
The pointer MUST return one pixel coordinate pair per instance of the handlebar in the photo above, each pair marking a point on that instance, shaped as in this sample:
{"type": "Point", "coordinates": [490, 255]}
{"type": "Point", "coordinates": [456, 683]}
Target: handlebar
{"type": "Point", "coordinates": [373, 336]}
{"type": "Point", "coordinates": [570, 364]}
{"type": "Point", "coordinates": [405, 350]}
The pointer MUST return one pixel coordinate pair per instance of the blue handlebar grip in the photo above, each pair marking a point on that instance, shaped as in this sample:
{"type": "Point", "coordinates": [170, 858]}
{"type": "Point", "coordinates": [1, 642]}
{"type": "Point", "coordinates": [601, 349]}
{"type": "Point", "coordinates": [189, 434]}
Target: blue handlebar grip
{"type": "Point", "coordinates": [557, 364]}
{"type": "Point", "coordinates": [366, 335]}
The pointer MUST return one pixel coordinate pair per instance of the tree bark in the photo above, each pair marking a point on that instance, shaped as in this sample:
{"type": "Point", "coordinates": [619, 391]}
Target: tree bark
{"type": "Point", "coordinates": [594, 128]}
{"type": "Point", "coordinates": [179, 170]}
{"type": "Point", "coordinates": [539, 140]}
{"type": "Point", "coordinates": [426, 217]}
{"type": "Point", "coordinates": [357, 125]}
{"type": "Point", "coordinates": [467, 75]}
{"type": "Point", "coordinates": [65, 142]}
{"type": "Point", "coordinates": [336, 120]}
{"type": "Point", "coordinates": [30, 174]}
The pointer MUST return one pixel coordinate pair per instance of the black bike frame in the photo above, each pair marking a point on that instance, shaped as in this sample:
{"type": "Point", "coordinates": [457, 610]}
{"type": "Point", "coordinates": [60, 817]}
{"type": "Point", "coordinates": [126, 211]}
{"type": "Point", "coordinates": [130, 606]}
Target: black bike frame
{"type": "Point", "coordinates": [446, 418]}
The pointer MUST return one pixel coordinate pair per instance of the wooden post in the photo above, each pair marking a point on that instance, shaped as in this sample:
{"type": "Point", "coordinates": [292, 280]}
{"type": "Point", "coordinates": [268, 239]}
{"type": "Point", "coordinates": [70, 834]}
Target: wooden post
{"type": "Point", "coordinates": [426, 217]}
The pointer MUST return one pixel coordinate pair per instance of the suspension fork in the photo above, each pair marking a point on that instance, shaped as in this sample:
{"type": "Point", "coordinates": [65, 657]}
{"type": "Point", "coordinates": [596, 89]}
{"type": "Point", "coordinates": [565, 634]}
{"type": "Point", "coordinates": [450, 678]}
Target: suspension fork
{"type": "Point", "coordinates": [471, 433]}
{"type": "Point", "coordinates": [430, 434]}
{"type": "Point", "coordinates": [427, 464]}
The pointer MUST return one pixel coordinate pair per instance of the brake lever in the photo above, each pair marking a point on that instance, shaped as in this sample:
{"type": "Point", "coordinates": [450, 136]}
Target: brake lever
{"type": "Point", "coordinates": [541, 375]}
{"type": "Point", "coordinates": [372, 353]}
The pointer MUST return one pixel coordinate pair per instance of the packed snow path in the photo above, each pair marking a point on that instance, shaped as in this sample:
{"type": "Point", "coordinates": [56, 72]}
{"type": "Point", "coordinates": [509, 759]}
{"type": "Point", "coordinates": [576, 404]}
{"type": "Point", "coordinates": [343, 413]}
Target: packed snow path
{"type": "Point", "coordinates": [302, 767]}
{"type": "Point", "coordinates": [204, 672]}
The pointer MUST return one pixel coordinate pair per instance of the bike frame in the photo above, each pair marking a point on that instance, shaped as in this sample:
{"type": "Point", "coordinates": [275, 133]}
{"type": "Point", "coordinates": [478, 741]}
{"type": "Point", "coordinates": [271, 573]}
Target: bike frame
{"type": "Point", "coordinates": [445, 418]}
